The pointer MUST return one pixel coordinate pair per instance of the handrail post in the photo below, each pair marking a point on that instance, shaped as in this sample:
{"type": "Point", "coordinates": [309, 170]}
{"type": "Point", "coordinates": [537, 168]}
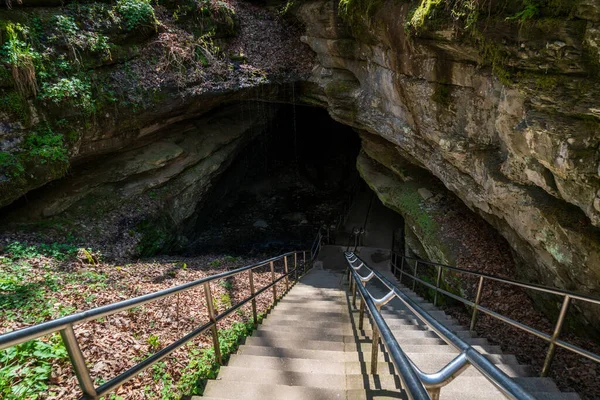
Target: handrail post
{"type": "Point", "coordinates": [78, 361]}
{"type": "Point", "coordinates": [211, 315]}
{"type": "Point", "coordinates": [375, 345]}
{"type": "Point", "coordinates": [557, 329]}
{"type": "Point", "coordinates": [354, 289]}
{"type": "Point", "coordinates": [476, 306]}
{"type": "Point", "coordinates": [415, 275]}
{"type": "Point", "coordinates": [287, 277]}
{"type": "Point", "coordinates": [401, 269]}
{"type": "Point", "coordinates": [437, 285]}
{"type": "Point", "coordinates": [304, 262]}
{"type": "Point", "coordinates": [273, 281]}
{"type": "Point", "coordinates": [295, 266]}
{"type": "Point", "coordinates": [252, 293]}
{"type": "Point", "coordinates": [361, 315]}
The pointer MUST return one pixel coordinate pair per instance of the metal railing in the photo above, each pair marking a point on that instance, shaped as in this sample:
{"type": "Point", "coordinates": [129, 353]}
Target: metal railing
{"type": "Point", "coordinates": [65, 325]}
{"type": "Point", "coordinates": [552, 339]}
{"type": "Point", "coordinates": [418, 384]}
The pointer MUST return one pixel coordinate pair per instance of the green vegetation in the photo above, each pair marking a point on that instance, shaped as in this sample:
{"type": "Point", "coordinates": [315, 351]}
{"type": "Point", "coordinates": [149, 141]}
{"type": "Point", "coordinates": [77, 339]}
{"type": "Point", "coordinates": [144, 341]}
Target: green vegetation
{"type": "Point", "coordinates": [20, 56]}
{"type": "Point", "coordinates": [28, 290]}
{"type": "Point", "coordinates": [530, 11]}
{"type": "Point", "coordinates": [25, 369]}
{"type": "Point", "coordinates": [424, 11]}
{"type": "Point", "coordinates": [29, 281]}
{"type": "Point", "coordinates": [358, 14]}
{"type": "Point", "coordinates": [203, 365]}
{"type": "Point", "coordinates": [17, 251]}
{"type": "Point", "coordinates": [41, 146]}
{"type": "Point", "coordinates": [46, 146]}
{"type": "Point", "coordinates": [442, 94]}
{"type": "Point", "coordinates": [71, 90]}
{"type": "Point", "coordinates": [136, 14]}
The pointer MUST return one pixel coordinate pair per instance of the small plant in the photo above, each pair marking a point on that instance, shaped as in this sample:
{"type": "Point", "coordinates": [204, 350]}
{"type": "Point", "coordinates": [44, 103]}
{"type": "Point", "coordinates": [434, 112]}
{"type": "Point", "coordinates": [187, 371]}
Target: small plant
{"type": "Point", "coordinates": [10, 165]}
{"type": "Point", "coordinates": [225, 284]}
{"type": "Point", "coordinates": [25, 369]}
{"type": "Point", "coordinates": [154, 342]}
{"type": "Point", "coordinates": [45, 146]}
{"type": "Point", "coordinates": [215, 263]}
{"type": "Point", "coordinates": [72, 90]}
{"type": "Point", "coordinates": [530, 12]}
{"type": "Point", "coordinates": [21, 57]}
{"type": "Point", "coordinates": [230, 259]}
{"type": "Point", "coordinates": [226, 300]}
{"type": "Point", "coordinates": [19, 250]}
{"type": "Point", "coordinates": [136, 13]}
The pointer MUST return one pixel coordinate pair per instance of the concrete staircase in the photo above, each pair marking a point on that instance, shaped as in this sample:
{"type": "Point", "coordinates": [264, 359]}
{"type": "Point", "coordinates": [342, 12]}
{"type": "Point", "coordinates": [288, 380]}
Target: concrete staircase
{"type": "Point", "coordinates": [309, 347]}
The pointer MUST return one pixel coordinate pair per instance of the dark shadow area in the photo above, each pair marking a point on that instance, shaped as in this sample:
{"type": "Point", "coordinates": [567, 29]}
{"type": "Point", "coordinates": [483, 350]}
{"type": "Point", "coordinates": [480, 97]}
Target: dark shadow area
{"type": "Point", "coordinates": [291, 180]}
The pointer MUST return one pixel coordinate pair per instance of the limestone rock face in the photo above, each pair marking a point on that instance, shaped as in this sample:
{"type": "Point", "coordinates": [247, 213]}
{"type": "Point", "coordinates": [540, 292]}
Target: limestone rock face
{"type": "Point", "coordinates": [130, 194]}
{"type": "Point", "coordinates": [521, 151]}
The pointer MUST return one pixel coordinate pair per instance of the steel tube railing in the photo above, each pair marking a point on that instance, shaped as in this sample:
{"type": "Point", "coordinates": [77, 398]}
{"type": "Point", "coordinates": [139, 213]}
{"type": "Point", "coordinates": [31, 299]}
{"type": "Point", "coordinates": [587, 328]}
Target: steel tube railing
{"type": "Point", "coordinates": [435, 381]}
{"type": "Point", "coordinates": [23, 335]}
{"type": "Point", "coordinates": [410, 381]}
{"type": "Point", "coordinates": [65, 325]}
{"type": "Point", "coordinates": [533, 286]}
{"type": "Point", "coordinates": [553, 339]}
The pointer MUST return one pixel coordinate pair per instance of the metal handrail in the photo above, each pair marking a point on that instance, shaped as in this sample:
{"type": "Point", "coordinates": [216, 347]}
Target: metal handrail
{"type": "Point", "coordinates": [553, 339]}
{"type": "Point", "coordinates": [410, 381]}
{"type": "Point", "coordinates": [433, 381]}
{"type": "Point", "coordinates": [65, 324]}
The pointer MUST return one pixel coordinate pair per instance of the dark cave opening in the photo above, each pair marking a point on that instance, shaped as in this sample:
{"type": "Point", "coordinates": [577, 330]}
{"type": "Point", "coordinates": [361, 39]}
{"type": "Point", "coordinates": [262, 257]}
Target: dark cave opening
{"type": "Point", "coordinates": [290, 180]}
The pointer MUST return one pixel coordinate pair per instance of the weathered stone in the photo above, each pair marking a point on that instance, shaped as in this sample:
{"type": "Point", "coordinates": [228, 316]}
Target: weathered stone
{"type": "Point", "coordinates": [261, 224]}
{"type": "Point", "coordinates": [522, 155]}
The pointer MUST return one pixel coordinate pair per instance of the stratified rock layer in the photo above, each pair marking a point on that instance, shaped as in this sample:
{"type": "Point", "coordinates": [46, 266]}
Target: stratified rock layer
{"type": "Point", "coordinates": [523, 154]}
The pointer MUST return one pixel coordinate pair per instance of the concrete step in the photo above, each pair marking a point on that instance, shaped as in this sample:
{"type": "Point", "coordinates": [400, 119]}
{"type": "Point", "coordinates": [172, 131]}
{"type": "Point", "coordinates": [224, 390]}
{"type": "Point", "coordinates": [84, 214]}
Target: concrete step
{"type": "Point", "coordinates": [259, 391]}
{"type": "Point", "coordinates": [295, 344]}
{"type": "Point", "coordinates": [306, 324]}
{"type": "Point", "coordinates": [347, 330]}
{"type": "Point", "coordinates": [556, 396]}
{"type": "Point", "coordinates": [309, 347]}
{"type": "Point", "coordinates": [303, 365]}
{"type": "Point", "coordinates": [537, 384]}
{"type": "Point", "coordinates": [310, 314]}
{"type": "Point", "coordinates": [251, 391]}
{"type": "Point", "coordinates": [328, 381]}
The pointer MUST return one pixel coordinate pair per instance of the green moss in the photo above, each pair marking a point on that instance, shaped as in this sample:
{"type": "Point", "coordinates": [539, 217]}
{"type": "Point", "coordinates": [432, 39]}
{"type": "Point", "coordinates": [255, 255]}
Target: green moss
{"type": "Point", "coordinates": [424, 12]}
{"type": "Point", "coordinates": [339, 88]}
{"type": "Point", "coordinates": [359, 14]}
{"type": "Point", "coordinates": [15, 104]}
{"type": "Point", "coordinates": [442, 94]}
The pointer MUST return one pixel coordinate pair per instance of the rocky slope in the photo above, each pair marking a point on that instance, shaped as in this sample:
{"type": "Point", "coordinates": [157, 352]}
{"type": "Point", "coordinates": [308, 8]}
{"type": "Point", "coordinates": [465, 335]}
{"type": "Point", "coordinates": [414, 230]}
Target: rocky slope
{"type": "Point", "coordinates": [501, 106]}
{"type": "Point", "coordinates": [125, 114]}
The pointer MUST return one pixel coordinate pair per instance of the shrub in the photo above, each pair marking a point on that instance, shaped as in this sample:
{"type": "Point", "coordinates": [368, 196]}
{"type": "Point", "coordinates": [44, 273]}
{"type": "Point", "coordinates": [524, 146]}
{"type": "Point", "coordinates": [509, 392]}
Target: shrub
{"type": "Point", "coordinates": [136, 13]}
{"type": "Point", "coordinates": [17, 53]}
{"type": "Point", "coordinates": [44, 145]}
{"type": "Point", "coordinates": [72, 90]}
{"type": "Point", "coordinates": [10, 165]}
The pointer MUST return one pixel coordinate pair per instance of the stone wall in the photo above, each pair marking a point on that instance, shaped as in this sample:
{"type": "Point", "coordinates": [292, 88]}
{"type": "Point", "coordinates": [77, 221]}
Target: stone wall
{"type": "Point", "coordinates": [516, 141]}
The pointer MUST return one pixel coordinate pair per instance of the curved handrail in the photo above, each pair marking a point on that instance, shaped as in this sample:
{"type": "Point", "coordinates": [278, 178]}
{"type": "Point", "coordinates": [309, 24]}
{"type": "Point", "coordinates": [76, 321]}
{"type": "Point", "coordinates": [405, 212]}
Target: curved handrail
{"type": "Point", "coordinates": [65, 324]}
{"type": "Point", "coordinates": [553, 338]}
{"type": "Point", "coordinates": [410, 381]}
{"type": "Point", "coordinates": [468, 354]}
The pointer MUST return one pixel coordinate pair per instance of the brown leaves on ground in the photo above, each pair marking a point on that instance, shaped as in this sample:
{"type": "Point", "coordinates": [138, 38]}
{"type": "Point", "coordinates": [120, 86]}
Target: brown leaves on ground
{"type": "Point", "coordinates": [115, 343]}
{"type": "Point", "coordinates": [484, 250]}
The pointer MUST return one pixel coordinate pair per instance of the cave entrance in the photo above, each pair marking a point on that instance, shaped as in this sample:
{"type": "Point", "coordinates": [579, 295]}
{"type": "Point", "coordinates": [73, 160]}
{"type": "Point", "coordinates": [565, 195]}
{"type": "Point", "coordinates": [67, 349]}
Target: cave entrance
{"type": "Point", "coordinates": [294, 177]}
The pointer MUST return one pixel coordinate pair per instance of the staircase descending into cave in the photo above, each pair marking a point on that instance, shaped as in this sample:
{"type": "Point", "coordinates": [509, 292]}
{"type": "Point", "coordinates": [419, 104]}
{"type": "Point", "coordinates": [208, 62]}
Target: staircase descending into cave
{"type": "Point", "coordinates": [310, 347]}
